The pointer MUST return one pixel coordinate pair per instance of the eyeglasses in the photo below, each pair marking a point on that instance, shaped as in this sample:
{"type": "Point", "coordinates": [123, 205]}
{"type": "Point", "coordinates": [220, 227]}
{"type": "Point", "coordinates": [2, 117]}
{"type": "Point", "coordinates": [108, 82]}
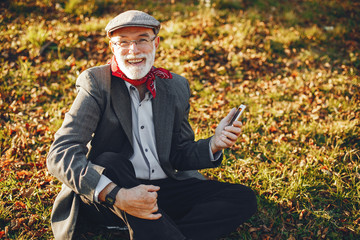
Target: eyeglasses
{"type": "Point", "coordinates": [142, 42]}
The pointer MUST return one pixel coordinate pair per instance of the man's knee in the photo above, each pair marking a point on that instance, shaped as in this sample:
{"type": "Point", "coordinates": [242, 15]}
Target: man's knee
{"type": "Point", "coordinates": [252, 202]}
{"type": "Point", "coordinates": [244, 199]}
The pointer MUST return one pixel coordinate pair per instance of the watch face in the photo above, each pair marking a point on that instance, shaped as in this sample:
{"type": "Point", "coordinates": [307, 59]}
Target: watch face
{"type": "Point", "coordinates": [109, 200]}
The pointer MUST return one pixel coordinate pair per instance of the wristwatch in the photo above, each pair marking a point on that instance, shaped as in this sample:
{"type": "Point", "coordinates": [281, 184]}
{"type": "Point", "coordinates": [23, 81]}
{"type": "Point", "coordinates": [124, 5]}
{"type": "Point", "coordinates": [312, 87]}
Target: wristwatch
{"type": "Point", "coordinates": [111, 196]}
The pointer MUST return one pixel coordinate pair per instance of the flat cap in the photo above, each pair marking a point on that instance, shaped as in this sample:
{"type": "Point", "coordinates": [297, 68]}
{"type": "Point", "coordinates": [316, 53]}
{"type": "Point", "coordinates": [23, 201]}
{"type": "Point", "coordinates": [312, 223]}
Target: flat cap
{"type": "Point", "coordinates": [132, 18]}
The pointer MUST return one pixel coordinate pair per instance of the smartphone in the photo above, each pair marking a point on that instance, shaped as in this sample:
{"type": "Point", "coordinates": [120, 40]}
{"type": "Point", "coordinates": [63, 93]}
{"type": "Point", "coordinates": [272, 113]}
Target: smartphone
{"type": "Point", "coordinates": [237, 114]}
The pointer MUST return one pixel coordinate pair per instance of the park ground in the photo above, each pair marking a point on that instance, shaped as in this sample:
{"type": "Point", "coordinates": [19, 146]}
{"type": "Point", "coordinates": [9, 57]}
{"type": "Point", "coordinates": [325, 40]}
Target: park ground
{"type": "Point", "coordinates": [295, 64]}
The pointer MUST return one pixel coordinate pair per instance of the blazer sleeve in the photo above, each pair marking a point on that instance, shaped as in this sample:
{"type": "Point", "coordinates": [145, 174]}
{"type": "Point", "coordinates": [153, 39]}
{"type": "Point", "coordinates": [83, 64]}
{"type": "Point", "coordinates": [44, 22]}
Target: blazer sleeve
{"type": "Point", "coordinates": [66, 159]}
{"type": "Point", "coordinates": [190, 154]}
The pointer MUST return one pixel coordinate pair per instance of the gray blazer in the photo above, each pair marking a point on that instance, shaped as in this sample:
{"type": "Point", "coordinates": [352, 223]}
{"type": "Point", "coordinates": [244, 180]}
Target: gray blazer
{"type": "Point", "coordinates": [100, 121]}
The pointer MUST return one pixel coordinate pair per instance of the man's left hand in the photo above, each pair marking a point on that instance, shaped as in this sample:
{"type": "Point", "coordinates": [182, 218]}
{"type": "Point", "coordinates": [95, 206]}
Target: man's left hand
{"type": "Point", "coordinates": [225, 136]}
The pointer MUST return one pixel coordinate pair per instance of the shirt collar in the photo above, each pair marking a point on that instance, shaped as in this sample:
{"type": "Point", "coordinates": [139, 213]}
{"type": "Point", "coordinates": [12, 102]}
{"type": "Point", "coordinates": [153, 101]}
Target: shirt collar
{"type": "Point", "coordinates": [131, 88]}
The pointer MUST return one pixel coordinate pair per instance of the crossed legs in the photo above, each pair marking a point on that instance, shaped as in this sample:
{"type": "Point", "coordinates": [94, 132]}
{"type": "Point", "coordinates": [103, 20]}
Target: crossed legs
{"type": "Point", "coordinates": [191, 209]}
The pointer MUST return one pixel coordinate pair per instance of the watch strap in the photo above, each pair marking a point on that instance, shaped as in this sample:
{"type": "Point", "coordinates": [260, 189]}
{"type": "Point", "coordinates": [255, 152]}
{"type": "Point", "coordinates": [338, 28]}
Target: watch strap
{"type": "Point", "coordinates": [111, 196]}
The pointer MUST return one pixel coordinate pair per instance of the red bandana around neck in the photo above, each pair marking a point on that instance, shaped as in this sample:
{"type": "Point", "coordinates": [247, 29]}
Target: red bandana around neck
{"type": "Point", "coordinates": [149, 79]}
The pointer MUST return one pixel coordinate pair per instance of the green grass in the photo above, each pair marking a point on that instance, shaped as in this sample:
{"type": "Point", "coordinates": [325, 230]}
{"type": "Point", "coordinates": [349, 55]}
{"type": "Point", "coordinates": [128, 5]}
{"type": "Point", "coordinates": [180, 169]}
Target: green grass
{"type": "Point", "coordinates": [295, 64]}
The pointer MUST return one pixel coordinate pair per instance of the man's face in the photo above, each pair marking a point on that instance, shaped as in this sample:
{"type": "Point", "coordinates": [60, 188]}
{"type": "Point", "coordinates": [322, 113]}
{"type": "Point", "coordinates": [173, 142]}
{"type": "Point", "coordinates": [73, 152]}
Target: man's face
{"type": "Point", "coordinates": [135, 59]}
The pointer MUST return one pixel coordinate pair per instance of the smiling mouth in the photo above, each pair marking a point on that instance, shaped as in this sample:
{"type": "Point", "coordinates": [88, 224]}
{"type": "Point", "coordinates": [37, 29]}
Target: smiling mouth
{"type": "Point", "coordinates": [136, 60]}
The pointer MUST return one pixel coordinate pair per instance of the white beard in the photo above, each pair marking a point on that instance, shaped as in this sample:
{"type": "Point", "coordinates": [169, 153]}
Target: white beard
{"type": "Point", "coordinates": [136, 71]}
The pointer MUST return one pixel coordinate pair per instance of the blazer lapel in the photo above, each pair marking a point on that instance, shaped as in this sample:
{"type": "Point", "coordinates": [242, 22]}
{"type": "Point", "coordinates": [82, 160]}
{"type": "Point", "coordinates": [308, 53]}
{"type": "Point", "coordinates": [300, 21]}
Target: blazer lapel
{"type": "Point", "coordinates": [122, 105]}
{"type": "Point", "coordinates": [163, 111]}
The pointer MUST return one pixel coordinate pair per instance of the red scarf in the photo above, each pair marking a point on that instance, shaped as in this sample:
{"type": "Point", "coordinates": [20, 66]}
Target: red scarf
{"type": "Point", "coordinates": [149, 79]}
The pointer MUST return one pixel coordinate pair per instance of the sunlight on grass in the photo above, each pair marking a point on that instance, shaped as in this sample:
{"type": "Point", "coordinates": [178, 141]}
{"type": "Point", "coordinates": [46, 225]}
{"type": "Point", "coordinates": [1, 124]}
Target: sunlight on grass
{"type": "Point", "coordinates": [314, 32]}
{"type": "Point", "coordinates": [291, 17]}
{"type": "Point", "coordinates": [284, 36]}
{"type": "Point", "coordinates": [37, 35]}
{"type": "Point", "coordinates": [253, 14]}
{"type": "Point", "coordinates": [94, 24]}
{"type": "Point", "coordinates": [238, 33]}
{"type": "Point", "coordinates": [88, 7]}
{"type": "Point", "coordinates": [172, 28]}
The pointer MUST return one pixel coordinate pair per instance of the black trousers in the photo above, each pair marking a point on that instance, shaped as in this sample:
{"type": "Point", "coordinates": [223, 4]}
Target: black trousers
{"type": "Point", "coordinates": [191, 209]}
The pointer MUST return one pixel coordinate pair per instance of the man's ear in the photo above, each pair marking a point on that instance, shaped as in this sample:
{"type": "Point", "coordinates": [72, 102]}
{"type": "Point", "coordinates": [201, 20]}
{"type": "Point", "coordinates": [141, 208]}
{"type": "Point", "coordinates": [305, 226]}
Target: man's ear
{"type": "Point", "coordinates": [157, 42]}
{"type": "Point", "coordinates": [111, 47]}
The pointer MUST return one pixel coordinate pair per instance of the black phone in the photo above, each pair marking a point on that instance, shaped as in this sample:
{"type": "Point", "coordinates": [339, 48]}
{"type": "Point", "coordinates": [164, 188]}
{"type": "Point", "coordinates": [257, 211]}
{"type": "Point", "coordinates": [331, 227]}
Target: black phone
{"type": "Point", "coordinates": [237, 114]}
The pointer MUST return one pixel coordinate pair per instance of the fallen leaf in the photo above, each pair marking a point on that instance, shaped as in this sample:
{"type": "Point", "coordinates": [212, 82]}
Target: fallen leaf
{"type": "Point", "coordinates": [20, 204]}
{"type": "Point", "coordinates": [28, 192]}
{"type": "Point", "coordinates": [253, 229]}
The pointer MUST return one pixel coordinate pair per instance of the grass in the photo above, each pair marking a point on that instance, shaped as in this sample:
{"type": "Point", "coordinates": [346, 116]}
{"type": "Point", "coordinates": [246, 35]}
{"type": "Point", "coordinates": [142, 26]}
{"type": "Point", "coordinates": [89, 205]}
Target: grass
{"type": "Point", "coordinates": [295, 64]}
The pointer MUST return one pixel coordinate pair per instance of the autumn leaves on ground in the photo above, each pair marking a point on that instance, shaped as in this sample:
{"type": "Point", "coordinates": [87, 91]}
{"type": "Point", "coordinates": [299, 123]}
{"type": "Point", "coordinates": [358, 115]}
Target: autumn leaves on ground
{"type": "Point", "coordinates": [295, 64]}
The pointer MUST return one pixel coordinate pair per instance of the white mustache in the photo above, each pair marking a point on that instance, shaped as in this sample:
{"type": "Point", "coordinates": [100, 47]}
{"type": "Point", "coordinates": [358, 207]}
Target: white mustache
{"type": "Point", "coordinates": [134, 56]}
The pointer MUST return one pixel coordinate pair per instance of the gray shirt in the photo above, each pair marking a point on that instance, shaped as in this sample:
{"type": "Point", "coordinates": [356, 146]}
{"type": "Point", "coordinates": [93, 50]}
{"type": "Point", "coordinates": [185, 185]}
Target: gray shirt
{"type": "Point", "coordinates": [145, 158]}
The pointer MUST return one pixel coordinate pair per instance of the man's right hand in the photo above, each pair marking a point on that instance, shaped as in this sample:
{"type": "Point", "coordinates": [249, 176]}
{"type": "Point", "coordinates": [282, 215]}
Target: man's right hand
{"type": "Point", "coordinates": [139, 201]}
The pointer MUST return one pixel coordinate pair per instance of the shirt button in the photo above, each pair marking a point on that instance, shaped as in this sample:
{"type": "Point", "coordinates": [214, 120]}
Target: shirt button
{"type": "Point", "coordinates": [142, 127]}
{"type": "Point", "coordinates": [153, 171]}
{"type": "Point", "coordinates": [146, 149]}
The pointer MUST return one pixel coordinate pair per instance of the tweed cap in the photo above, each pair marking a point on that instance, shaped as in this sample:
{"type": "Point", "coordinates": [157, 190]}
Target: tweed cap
{"type": "Point", "coordinates": [132, 18]}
